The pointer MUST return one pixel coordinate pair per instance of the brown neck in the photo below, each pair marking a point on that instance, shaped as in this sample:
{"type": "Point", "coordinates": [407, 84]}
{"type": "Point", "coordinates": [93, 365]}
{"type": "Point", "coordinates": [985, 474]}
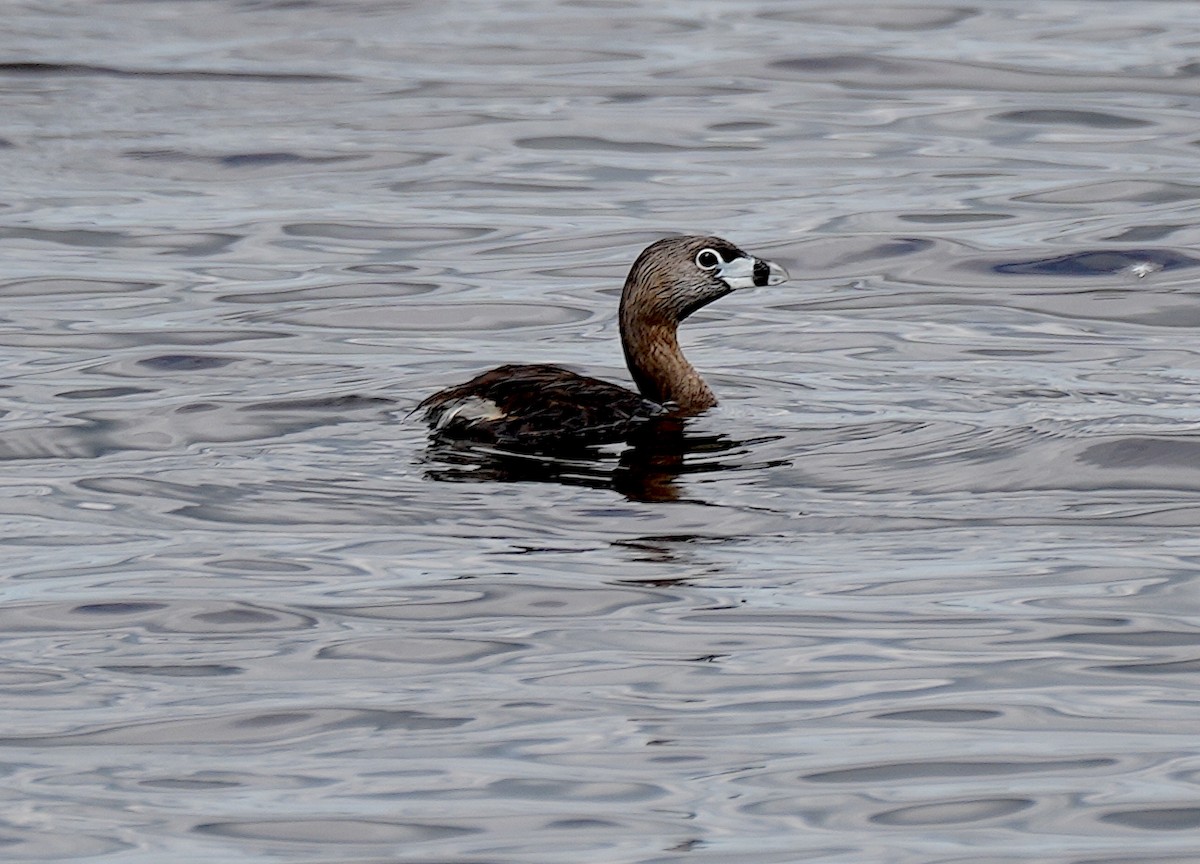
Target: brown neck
{"type": "Point", "coordinates": [661, 371]}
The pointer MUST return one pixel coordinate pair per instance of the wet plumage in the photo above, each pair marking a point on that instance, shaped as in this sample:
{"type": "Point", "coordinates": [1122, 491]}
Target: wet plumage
{"type": "Point", "coordinates": [543, 407]}
{"type": "Point", "coordinates": [538, 405]}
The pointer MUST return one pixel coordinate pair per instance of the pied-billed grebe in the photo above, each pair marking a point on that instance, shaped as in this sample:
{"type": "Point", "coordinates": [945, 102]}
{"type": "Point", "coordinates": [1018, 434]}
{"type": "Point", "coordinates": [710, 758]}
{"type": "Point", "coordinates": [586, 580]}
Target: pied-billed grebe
{"type": "Point", "coordinates": [543, 407]}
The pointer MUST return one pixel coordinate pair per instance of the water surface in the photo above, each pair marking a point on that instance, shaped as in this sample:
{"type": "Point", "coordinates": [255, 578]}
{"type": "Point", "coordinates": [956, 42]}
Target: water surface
{"type": "Point", "coordinates": [921, 590]}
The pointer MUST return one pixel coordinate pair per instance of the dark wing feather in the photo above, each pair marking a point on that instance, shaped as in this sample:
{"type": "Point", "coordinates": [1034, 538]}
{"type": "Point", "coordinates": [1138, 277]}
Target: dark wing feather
{"type": "Point", "coordinates": [537, 407]}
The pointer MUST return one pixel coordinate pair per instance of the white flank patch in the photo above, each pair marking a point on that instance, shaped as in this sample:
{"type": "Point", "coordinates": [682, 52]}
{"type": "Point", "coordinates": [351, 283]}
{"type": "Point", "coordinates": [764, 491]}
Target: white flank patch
{"type": "Point", "coordinates": [472, 409]}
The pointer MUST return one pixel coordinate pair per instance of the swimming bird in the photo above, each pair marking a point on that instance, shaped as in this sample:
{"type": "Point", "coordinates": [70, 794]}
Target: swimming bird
{"type": "Point", "coordinates": [541, 407]}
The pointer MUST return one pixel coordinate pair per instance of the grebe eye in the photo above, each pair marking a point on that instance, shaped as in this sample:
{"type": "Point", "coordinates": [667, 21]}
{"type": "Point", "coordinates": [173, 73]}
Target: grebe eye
{"type": "Point", "coordinates": [707, 259]}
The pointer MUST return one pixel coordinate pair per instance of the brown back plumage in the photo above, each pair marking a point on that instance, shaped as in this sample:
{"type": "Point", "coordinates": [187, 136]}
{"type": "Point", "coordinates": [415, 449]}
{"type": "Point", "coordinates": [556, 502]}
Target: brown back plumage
{"type": "Point", "coordinates": [540, 406]}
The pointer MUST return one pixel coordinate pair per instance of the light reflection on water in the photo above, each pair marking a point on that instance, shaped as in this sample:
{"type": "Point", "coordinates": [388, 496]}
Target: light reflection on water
{"type": "Point", "coordinates": [920, 590]}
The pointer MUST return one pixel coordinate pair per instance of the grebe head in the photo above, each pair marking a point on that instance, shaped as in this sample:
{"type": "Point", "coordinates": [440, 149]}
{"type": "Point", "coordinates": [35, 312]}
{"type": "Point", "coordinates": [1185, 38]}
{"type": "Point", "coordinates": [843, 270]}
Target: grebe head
{"type": "Point", "coordinates": [669, 281]}
{"type": "Point", "coordinates": [672, 278]}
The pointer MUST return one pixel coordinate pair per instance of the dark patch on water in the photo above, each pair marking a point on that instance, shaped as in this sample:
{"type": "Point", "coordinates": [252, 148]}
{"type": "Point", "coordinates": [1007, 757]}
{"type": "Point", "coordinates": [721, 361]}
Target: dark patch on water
{"type": "Point", "coordinates": [85, 69]}
{"type": "Point", "coordinates": [104, 393]}
{"type": "Point", "coordinates": [1098, 261]}
{"type": "Point", "coordinates": [1156, 818]}
{"type": "Point", "coordinates": [184, 362]}
{"type": "Point", "coordinates": [1069, 117]}
{"type": "Point", "coordinates": [205, 670]}
{"type": "Point", "coordinates": [581, 142]}
{"type": "Point", "coordinates": [1141, 452]}
{"type": "Point", "coordinates": [350, 402]}
{"type": "Point", "coordinates": [121, 608]}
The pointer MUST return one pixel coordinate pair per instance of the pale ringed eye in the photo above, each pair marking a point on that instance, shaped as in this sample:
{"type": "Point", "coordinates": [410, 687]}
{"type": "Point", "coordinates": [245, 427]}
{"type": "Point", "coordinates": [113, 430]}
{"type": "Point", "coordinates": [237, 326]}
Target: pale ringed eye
{"type": "Point", "coordinates": [707, 259]}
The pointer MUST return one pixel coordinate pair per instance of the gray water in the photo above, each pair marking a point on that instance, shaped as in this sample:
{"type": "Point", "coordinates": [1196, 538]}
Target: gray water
{"type": "Point", "coordinates": [923, 589]}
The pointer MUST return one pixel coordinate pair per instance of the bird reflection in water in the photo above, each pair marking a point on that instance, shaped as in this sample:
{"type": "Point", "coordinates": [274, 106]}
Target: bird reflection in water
{"type": "Point", "coordinates": [657, 455]}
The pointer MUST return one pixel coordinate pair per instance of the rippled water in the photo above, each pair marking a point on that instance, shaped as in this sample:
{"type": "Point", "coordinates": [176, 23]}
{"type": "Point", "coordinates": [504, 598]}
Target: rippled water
{"type": "Point", "coordinates": [922, 590]}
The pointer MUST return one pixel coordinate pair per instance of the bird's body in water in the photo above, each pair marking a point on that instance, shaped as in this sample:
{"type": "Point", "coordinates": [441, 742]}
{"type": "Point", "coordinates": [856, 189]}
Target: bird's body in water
{"type": "Point", "coordinates": [546, 408]}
